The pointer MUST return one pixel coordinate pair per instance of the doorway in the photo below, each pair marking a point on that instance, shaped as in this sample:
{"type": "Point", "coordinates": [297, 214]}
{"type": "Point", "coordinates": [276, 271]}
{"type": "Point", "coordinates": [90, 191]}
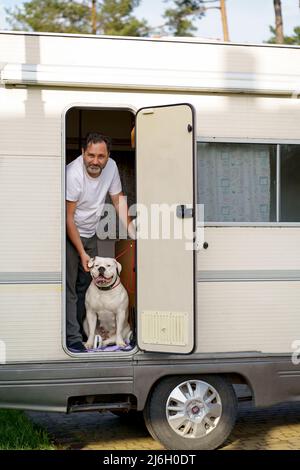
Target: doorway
{"type": "Point", "coordinates": [112, 242]}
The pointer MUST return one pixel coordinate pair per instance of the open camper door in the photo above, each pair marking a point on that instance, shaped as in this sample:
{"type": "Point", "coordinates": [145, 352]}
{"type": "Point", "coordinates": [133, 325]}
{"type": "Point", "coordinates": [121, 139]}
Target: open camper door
{"type": "Point", "coordinates": [165, 153]}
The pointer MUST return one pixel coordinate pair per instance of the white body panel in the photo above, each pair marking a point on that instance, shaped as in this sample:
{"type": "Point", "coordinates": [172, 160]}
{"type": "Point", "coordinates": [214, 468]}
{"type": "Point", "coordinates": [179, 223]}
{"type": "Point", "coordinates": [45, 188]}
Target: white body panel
{"type": "Point", "coordinates": [248, 316]}
{"type": "Point", "coordinates": [31, 322]}
{"type": "Point", "coordinates": [246, 290]}
{"type": "Point", "coordinates": [31, 199]}
{"type": "Point", "coordinates": [250, 248]}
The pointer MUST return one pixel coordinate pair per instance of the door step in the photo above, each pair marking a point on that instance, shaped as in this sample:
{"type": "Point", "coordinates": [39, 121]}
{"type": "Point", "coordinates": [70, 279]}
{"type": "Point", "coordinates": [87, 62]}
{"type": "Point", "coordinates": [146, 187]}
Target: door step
{"type": "Point", "coordinates": [100, 407]}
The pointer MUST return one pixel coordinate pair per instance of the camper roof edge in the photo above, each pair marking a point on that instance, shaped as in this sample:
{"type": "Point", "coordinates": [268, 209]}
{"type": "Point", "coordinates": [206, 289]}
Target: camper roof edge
{"type": "Point", "coordinates": [115, 62]}
{"type": "Point", "coordinates": [191, 40]}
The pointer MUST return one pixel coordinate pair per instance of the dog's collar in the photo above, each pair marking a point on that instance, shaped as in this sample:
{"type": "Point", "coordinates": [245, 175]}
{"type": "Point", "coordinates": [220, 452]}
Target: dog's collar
{"type": "Point", "coordinates": [109, 287]}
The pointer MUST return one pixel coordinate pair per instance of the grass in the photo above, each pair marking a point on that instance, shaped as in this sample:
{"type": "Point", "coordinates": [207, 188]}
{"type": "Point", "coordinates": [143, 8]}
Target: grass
{"type": "Point", "coordinates": [18, 433]}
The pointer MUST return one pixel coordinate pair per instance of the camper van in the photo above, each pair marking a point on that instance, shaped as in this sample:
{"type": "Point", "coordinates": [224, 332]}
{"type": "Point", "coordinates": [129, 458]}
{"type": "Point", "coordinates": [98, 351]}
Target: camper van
{"type": "Point", "coordinates": [216, 127]}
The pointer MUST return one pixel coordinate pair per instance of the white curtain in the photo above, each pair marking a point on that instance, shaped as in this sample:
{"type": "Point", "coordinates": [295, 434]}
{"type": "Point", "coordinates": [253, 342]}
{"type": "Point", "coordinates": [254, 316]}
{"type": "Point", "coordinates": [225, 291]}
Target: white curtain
{"type": "Point", "coordinates": [234, 182]}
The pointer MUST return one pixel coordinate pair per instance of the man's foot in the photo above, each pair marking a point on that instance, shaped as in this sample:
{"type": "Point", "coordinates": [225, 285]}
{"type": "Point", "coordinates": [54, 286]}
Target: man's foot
{"type": "Point", "coordinates": [77, 347]}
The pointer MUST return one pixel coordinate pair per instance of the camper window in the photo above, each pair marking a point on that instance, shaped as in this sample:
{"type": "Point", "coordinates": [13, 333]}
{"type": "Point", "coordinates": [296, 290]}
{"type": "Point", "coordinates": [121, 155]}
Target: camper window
{"type": "Point", "coordinates": [239, 182]}
{"type": "Point", "coordinates": [290, 183]}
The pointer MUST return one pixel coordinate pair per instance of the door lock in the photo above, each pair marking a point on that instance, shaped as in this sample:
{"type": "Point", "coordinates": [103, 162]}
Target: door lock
{"type": "Point", "coordinates": [184, 212]}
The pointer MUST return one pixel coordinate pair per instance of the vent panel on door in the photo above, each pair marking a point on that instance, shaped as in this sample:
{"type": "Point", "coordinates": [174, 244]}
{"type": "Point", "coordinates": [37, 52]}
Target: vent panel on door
{"type": "Point", "coordinates": [165, 328]}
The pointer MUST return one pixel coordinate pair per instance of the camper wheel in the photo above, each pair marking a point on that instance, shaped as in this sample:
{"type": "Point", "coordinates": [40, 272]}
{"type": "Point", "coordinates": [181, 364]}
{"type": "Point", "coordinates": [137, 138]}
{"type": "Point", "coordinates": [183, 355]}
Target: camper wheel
{"type": "Point", "coordinates": [191, 413]}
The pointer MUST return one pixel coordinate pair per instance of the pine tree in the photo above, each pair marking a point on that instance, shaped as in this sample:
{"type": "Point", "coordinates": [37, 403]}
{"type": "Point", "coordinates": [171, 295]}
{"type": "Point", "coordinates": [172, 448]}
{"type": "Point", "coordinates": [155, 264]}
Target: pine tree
{"type": "Point", "coordinates": [180, 19]}
{"type": "Point", "coordinates": [294, 39]}
{"type": "Point", "coordinates": [112, 17]}
{"type": "Point", "coordinates": [60, 16]}
{"type": "Point", "coordinates": [278, 36]}
{"type": "Point", "coordinates": [116, 18]}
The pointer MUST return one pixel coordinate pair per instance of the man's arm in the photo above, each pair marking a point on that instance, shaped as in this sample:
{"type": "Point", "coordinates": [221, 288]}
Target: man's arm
{"type": "Point", "coordinates": [74, 236]}
{"type": "Point", "coordinates": [120, 204]}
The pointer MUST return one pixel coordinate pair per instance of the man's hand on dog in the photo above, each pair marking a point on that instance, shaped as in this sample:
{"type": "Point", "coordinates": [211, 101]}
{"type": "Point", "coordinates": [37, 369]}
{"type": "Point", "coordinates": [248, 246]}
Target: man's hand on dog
{"type": "Point", "coordinates": [84, 261]}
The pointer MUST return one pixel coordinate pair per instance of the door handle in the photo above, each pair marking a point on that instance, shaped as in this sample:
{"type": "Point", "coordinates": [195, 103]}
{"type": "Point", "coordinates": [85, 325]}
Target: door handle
{"type": "Point", "coordinates": [184, 212]}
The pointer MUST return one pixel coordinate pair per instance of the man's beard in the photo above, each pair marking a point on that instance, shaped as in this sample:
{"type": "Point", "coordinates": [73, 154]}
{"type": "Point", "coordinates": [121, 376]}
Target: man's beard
{"type": "Point", "coordinates": [93, 170]}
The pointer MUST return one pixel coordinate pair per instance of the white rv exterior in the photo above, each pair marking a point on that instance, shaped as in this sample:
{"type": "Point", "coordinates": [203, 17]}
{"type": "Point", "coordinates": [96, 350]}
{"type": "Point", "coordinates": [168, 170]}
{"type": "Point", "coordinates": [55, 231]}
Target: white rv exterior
{"type": "Point", "coordinates": [247, 281]}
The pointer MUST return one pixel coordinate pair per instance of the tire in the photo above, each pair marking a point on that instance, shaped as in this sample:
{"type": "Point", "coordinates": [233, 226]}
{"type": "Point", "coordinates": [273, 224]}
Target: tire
{"type": "Point", "coordinates": [191, 412]}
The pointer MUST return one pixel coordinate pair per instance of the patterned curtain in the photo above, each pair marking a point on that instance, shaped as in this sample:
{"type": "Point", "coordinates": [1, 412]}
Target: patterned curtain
{"type": "Point", "coordinates": [234, 182]}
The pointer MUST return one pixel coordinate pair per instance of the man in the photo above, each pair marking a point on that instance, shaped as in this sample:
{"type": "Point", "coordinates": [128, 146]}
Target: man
{"type": "Point", "coordinates": [89, 178]}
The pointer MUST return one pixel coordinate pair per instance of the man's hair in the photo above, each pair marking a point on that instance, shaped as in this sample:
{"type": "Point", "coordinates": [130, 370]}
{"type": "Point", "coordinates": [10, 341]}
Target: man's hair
{"type": "Point", "coordinates": [96, 138]}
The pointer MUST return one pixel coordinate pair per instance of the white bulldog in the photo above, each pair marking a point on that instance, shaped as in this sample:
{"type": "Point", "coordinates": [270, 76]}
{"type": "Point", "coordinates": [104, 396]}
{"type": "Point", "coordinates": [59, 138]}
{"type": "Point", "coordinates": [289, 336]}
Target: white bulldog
{"type": "Point", "coordinates": [106, 303]}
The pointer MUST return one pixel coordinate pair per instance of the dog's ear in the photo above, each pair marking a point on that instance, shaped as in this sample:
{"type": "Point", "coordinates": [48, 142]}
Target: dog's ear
{"type": "Point", "coordinates": [119, 267]}
{"type": "Point", "coordinates": [91, 262]}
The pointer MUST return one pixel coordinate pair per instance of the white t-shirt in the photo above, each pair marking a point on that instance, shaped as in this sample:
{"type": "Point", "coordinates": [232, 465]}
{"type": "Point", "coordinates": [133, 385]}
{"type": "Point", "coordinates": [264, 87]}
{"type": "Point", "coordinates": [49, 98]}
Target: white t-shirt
{"type": "Point", "coordinates": [90, 193]}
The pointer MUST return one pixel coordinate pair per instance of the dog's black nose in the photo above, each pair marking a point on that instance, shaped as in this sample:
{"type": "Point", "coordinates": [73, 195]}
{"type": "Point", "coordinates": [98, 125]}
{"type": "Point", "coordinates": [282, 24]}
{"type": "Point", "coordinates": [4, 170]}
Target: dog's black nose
{"type": "Point", "coordinates": [101, 270]}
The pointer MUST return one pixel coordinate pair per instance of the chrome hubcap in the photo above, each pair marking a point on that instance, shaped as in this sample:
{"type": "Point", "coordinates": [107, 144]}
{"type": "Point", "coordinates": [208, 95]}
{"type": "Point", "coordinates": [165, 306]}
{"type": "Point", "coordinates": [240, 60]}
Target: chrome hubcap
{"type": "Point", "coordinates": [193, 409]}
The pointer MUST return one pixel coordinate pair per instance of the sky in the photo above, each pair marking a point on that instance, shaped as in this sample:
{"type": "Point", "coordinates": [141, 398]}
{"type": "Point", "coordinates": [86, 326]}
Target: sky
{"type": "Point", "coordinates": [248, 20]}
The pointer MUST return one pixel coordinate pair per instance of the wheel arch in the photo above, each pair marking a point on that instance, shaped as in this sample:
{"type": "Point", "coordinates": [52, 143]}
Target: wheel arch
{"type": "Point", "coordinates": [233, 378]}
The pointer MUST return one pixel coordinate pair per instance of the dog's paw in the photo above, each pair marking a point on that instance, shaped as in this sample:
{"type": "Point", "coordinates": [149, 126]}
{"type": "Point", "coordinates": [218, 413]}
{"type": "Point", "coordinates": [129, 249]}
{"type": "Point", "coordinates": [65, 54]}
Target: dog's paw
{"type": "Point", "coordinates": [121, 343]}
{"type": "Point", "coordinates": [88, 345]}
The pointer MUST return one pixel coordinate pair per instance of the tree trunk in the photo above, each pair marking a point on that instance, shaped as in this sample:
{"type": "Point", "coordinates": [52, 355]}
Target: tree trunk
{"type": "Point", "coordinates": [278, 22]}
{"type": "Point", "coordinates": [224, 20]}
{"type": "Point", "coordinates": [94, 17]}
